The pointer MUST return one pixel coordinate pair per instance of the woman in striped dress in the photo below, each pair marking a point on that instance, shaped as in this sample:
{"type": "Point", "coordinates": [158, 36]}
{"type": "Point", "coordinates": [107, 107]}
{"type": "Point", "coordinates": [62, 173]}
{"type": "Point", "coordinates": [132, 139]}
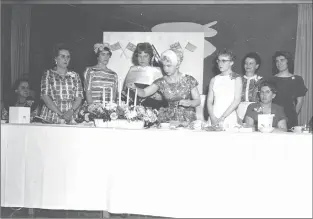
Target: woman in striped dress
{"type": "Point", "coordinates": [100, 76]}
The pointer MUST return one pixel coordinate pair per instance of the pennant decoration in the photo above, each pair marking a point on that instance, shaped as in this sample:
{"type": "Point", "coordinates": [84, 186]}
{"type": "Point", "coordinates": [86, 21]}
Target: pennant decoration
{"type": "Point", "coordinates": [130, 46]}
{"type": "Point", "coordinates": [190, 47]}
{"type": "Point", "coordinates": [115, 46]}
{"type": "Point", "coordinates": [176, 46]}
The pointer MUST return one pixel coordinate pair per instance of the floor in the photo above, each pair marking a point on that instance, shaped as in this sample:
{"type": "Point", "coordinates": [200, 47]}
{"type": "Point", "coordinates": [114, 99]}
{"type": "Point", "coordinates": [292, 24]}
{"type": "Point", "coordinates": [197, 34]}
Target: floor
{"type": "Point", "coordinates": [45, 213]}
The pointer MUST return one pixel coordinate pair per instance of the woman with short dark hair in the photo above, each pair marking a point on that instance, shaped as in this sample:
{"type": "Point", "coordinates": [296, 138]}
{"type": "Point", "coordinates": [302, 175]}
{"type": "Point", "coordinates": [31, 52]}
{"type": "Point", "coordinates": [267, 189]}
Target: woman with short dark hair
{"type": "Point", "coordinates": [290, 88]}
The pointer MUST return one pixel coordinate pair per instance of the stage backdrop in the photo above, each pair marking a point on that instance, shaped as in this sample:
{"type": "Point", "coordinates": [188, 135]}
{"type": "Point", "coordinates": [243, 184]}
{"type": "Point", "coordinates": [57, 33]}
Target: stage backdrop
{"type": "Point", "coordinates": [123, 44]}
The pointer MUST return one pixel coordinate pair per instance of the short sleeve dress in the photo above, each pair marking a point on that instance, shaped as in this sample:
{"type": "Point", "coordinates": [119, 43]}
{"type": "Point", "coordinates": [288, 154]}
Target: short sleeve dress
{"type": "Point", "coordinates": [174, 92]}
{"type": "Point", "coordinates": [288, 89]}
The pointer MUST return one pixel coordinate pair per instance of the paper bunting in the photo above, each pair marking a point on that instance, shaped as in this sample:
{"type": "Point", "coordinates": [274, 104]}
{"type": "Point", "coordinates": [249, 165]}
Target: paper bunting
{"type": "Point", "coordinates": [130, 46]}
{"type": "Point", "coordinates": [190, 47]}
{"type": "Point", "coordinates": [176, 46]}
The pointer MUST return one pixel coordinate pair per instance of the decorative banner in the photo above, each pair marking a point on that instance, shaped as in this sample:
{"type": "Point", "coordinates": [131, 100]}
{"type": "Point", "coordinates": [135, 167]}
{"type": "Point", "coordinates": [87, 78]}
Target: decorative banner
{"type": "Point", "coordinates": [115, 46]}
{"type": "Point", "coordinates": [176, 46]}
{"type": "Point", "coordinates": [190, 47]}
{"type": "Point", "coordinates": [130, 46]}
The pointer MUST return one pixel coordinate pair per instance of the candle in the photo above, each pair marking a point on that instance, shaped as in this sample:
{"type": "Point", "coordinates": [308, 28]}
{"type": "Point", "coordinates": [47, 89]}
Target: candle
{"type": "Point", "coordinates": [111, 95]}
{"type": "Point", "coordinates": [103, 97]}
{"type": "Point", "coordinates": [127, 100]}
{"type": "Point", "coordinates": [135, 101]}
{"type": "Point", "coordinates": [120, 93]}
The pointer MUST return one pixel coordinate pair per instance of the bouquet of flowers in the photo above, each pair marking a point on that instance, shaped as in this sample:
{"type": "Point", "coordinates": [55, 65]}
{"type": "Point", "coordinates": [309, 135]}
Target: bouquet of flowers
{"type": "Point", "coordinates": [176, 114]}
{"type": "Point", "coordinates": [93, 111]}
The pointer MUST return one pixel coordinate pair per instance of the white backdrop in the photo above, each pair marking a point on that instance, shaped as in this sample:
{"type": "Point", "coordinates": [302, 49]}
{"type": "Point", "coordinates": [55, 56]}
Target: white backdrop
{"type": "Point", "coordinates": [121, 59]}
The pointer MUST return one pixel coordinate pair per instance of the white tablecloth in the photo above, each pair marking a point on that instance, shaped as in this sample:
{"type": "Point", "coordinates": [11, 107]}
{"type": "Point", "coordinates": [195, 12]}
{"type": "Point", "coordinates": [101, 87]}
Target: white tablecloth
{"type": "Point", "coordinates": [170, 173]}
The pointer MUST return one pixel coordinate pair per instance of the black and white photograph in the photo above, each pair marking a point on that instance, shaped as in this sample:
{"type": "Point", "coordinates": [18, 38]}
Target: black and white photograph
{"type": "Point", "coordinates": [156, 109]}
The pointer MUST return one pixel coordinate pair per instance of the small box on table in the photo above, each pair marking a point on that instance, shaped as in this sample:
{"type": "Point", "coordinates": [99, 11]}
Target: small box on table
{"type": "Point", "coordinates": [19, 115]}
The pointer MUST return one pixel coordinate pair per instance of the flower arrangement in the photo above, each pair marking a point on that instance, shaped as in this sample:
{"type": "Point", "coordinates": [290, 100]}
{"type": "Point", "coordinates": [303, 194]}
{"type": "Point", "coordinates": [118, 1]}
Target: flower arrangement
{"type": "Point", "coordinates": [112, 111]}
{"type": "Point", "coordinates": [176, 114]}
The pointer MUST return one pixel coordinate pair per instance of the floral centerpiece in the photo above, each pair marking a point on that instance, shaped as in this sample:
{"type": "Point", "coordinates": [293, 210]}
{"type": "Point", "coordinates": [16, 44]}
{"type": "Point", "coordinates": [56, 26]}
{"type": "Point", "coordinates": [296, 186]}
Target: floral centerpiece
{"type": "Point", "coordinates": [117, 115]}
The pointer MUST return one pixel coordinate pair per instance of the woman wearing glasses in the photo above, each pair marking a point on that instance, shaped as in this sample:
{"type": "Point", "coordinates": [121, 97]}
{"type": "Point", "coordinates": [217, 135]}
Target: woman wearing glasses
{"type": "Point", "coordinates": [290, 87]}
{"type": "Point", "coordinates": [143, 74]}
{"type": "Point", "coordinates": [224, 93]}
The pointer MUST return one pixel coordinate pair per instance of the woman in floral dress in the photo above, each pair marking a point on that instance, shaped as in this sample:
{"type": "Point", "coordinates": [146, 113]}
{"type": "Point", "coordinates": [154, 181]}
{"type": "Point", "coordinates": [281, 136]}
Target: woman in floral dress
{"type": "Point", "coordinates": [178, 89]}
{"type": "Point", "coordinates": [61, 90]}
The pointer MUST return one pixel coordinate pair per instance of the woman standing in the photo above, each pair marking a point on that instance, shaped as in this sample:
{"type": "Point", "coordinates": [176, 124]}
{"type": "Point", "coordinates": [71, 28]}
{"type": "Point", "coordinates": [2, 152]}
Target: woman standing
{"type": "Point", "coordinates": [178, 89]}
{"type": "Point", "coordinates": [143, 74]}
{"type": "Point", "coordinates": [250, 82]}
{"type": "Point", "coordinates": [290, 87]}
{"type": "Point", "coordinates": [100, 76]}
{"type": "Point", "coordinates": [61, 90]}
{"type": "Point", "coordinates": [224, 93]}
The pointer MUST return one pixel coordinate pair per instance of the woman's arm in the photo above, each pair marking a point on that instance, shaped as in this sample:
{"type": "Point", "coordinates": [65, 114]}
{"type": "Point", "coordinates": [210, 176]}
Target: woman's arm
{"type": "Point", "coordinates": [249, 121]}
{"type": "Point", "coordinates": [282, 125]}
{"type": "Point", "coordinates": [51, 105]}
{"type": "Point", "coordinates": [87, 85]}
{"type": "Point", "coordinates": [89, 97]}
{"type": "Point", "coordinates": [195, 99]}
{"type": "Point", "coordinates": [237, 98]}
{"type": "Point", "coordinates": [148, 91]}
{"type": "Point", "coordinates": [299, 104]}
{"type": "Point", "coordinates": [210, 102]}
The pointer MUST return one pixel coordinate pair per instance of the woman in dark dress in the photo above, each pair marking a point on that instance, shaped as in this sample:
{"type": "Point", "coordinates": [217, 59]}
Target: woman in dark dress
{"type": "Point", "coordinates": [290, 88]}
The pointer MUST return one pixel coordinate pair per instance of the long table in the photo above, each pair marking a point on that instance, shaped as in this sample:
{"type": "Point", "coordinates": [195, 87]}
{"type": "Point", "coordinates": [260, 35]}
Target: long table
{"type": "Point", "coordinates": [171, 173]}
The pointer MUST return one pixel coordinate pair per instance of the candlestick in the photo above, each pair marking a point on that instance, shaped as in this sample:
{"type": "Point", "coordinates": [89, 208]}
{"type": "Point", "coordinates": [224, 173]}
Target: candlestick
{"type": "Point", "coordinates": [120, 93]}
{"type": "Point", "coordinates": [135, 101]}
{"type": "Point", "coordinates": [111, 95]}
{"type": "Point", "coordinates": [103, 97]}
{"type": "Point", "coordinates": [127, 100]}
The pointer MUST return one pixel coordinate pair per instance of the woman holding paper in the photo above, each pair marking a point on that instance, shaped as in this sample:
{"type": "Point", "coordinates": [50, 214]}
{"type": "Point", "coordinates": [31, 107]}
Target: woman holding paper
{"type": "Point", "coordinates": [101, 83]}
{"type": "Point", "coordinates": [144, 74]}
{"type": "Point", "coordinates": [268, 92]}
{"type": "Point", "coordinates": [179, 89]}
{"type": "Point", "coordinates": [61, 90]}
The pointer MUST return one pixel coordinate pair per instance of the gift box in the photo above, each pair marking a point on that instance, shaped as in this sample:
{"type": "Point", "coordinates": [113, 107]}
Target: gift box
{"type": "Point", "coordinates": [20, 115]}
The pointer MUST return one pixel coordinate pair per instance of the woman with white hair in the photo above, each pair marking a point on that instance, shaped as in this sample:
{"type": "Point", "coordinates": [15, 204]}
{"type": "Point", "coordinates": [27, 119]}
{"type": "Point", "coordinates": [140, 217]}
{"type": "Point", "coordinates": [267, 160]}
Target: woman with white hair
{"type": "Point", "coordinates": [178, 89]}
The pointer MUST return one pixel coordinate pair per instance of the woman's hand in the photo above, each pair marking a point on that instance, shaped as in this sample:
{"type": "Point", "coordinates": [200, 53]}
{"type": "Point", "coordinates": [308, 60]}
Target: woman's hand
{"type": "Point", "coordinates": [131, 86]}
{"type": "Point", "coordinates": [68, 115]}
{"type": "Point", "coordinates": [214, 120]}
{"type": "Point", "coordinates": [185, 103]}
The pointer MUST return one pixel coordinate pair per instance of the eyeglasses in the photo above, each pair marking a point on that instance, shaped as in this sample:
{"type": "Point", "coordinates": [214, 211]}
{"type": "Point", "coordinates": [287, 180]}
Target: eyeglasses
{"type": "Point", "coordinates": [222, 61]}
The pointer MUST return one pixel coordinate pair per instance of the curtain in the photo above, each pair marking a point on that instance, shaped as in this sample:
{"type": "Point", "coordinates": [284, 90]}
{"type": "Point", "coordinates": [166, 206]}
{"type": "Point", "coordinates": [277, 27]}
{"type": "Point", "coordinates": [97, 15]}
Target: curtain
{"type": "Point", "coordinates": [303, 57]}
{"type": "Point", "coordinates": [20, 38]}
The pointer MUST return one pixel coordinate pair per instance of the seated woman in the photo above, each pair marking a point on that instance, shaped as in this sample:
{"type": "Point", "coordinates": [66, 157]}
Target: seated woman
{"type": "Point", "coordinates": [99, 76]}
{"type": "Point", "coordinates": [21, 97]}
{"type": "Point", "coordinates": [143, 75]}
{"type": "Point", "coordinates": [178, 89]}
{"type": "Point", "coordinates": [268, 92]}
{"type": "Point", "coordinates": [61, 90]}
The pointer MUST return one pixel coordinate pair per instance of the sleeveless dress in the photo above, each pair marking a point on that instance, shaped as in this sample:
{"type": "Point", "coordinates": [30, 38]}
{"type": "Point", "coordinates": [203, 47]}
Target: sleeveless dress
{"type": "Point", "coordinates": [224, 93]}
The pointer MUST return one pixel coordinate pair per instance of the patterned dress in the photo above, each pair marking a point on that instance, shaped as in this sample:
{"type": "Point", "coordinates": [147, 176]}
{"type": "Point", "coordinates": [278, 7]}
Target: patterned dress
{"type": "Point", "coordinates": [62, 91]}
{"type": "Point", "coordinates": [173, 93]}
{"type": "Point", "coordinates": [96, 79]}
{"type": "Point", "coordinates": [250, 93]}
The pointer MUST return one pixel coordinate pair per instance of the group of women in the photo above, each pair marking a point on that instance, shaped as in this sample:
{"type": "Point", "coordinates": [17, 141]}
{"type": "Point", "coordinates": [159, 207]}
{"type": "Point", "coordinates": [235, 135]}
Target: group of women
{"type": "Point", "coordinates": [232, 98]}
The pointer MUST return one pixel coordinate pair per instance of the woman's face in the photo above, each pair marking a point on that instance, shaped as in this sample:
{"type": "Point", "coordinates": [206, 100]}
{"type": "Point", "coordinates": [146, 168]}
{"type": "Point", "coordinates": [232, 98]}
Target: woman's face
{"type": "Point", "coordinates": [224, 63]}
{"type": "Point", "coordinates": [266, 94]}
{"type": "Point", "coordinates": [281, 63]}
{"type": "Point", "coordinates": [250, 65]}
{"type": "Point", "coordinates": [143, 59]}
{"type": "Point", "coordinates": [104, 57]}
{"type": "Point", "coordinates": [23, 89]}
{"type": "Point", "coordinates": [169, 68]}
{"type": "Point", "coordinates": [63, 59]}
